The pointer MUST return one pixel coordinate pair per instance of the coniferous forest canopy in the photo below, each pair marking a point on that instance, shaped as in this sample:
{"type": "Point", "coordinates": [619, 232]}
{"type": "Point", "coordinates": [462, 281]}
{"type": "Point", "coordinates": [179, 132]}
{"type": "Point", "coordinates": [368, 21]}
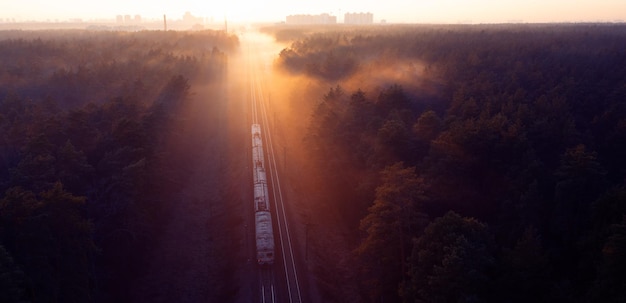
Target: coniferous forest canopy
{"type": "Point", "coordinates": [93, 149]}
{"type": "Point", "coordinates": [454, 163]}
{"type": "Point", "coordinates": [475, 163]}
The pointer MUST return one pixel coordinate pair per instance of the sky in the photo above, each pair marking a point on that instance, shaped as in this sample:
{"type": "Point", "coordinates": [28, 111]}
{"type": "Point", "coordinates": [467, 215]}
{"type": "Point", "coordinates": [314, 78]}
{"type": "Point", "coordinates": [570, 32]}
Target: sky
{"type": "Point", "coordinates": [396, 11]}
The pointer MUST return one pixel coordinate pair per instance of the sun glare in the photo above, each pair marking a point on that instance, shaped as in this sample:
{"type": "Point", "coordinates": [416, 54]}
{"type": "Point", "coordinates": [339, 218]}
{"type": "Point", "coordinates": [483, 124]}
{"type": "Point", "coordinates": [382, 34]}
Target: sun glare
{"type": "Point", "coordinates": [445, 11]}
{"type": "Point", "coordinates": [239, 11]}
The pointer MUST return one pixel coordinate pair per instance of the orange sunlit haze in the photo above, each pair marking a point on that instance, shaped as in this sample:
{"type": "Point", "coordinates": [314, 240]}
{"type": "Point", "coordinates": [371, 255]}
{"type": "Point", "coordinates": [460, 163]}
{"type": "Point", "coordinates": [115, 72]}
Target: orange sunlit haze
{"type": "Point", "coordinates": [422, 11]}
{"type": "Point", "coordinates": [312, 151]}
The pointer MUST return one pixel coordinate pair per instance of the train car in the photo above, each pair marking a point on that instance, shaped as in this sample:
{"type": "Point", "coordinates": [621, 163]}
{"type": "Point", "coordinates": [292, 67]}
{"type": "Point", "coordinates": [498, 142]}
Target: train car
{"type": "Point", "coordinates": [260, 193]}
{"type": "Point", "coordinates": [259, 174]}
{"type": "Point", "coordinates": [264, 238]}
{"type": "Point", "coordinates": [257, 146]}
{"type": "Point", "coordinates": [256, 132]}
{"type": "Point", "coordinates": [263, 218]}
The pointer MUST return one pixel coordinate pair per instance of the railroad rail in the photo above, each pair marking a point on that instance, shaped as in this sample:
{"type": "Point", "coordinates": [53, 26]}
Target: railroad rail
{"type": "Point", "coordinates": [285, 251]}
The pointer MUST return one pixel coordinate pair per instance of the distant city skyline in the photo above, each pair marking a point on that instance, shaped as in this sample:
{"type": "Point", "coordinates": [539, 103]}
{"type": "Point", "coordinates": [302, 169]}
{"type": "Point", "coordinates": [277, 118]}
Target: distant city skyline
{"type": "Point", "coordinates": [399, 11]}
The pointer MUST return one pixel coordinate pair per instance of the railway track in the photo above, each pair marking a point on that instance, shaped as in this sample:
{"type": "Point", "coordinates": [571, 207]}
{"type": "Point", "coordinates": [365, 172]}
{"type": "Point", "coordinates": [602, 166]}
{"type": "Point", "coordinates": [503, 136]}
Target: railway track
{"type": "Point", "coordinates": [286, 247]}
{"type": "Point", "coordinates": [266, 279]}
{"type": "Point", "coordinates": [285, 264]}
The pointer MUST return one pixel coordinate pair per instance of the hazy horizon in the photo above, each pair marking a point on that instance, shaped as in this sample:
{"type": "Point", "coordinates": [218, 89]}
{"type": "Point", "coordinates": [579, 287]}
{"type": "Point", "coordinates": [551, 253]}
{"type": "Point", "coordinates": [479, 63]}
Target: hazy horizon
{"type": "Point", "coordinates": [395, 11]}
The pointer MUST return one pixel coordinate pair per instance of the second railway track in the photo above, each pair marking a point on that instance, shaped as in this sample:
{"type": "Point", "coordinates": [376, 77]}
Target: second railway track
{"type": "Point", "coordinates": [284, 287]}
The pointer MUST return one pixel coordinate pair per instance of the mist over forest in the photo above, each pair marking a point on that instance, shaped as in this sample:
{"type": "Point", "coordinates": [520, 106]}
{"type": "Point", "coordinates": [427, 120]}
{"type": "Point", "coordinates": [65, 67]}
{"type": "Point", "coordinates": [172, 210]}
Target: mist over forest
{"type": "Point", "coordinates": [434, 163]}
{"type": "Point", "coordinates": [97, 135]}
{"type": "Point", "coordinates": [473, 163]}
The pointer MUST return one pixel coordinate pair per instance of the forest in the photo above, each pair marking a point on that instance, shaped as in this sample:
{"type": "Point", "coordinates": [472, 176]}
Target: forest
{"type": "Point", "coordinates": [479, 163]}
{"type": "Point", "coordinates": [453, 163]}
{"type": "Point", "coordinates": [94, 146]}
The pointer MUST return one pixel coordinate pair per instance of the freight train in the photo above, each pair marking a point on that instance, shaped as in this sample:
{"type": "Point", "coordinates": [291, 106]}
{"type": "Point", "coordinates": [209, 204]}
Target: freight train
{"type": "Point", "coordinates": [263, 218]}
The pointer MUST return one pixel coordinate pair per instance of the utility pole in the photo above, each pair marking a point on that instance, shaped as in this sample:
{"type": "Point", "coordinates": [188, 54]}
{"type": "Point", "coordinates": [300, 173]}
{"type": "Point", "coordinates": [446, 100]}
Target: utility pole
{"type": "Point", "coordinates": [164, 23]}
